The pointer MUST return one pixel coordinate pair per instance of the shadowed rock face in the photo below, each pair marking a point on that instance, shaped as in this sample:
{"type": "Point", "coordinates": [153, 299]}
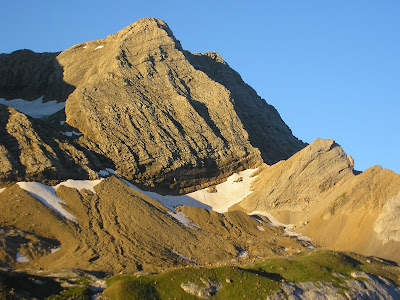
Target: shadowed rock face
{"type": "Point", "coordinates": [164, 116]}
{"type": "Point", "coordinates": [31, 150]}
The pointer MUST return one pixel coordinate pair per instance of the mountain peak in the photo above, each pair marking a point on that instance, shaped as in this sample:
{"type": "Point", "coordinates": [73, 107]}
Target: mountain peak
{"type": "Point", "coordinates": [163, 116]}
{"type": "Point", "coordinates": [146, 27]}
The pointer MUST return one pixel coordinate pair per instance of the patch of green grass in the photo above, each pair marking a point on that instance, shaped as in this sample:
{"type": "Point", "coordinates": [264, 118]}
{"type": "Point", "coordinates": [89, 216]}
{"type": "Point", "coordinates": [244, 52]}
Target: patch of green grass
{"type": "Point", "coordinates": [251, 282]}
{"type": "Point", "coordinates": [235, 284]}
{"type": "Point", "coordinates": [311, 266]}
{"type": "Point", "coordinates": [132, 288]}
{"type": "Point", "coordinates": [72, 293]}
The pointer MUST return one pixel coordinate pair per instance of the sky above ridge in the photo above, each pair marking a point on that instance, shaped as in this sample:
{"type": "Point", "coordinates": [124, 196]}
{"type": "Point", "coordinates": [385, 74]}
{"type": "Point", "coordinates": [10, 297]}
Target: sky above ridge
{"type": "Point", "coordinates": [330, 68]}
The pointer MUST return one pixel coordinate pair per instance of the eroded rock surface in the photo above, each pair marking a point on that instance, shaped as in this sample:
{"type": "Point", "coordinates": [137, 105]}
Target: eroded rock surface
{"type": "Point", "coordinates": [368, 287]}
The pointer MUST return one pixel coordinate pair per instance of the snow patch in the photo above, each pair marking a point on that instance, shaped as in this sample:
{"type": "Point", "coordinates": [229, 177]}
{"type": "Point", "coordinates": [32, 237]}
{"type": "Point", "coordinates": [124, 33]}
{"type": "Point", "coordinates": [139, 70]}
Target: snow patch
{"type": "Point", "coordinates": [274, 222]}
{"type": "Point", "coordinates": [184, 257]}
{"type": "Point", "coordinates": [21, 259]}
{"type": "Point", "coordinates": [243, 254]}
{"type": "Point", "coordinates": [260, 228]}
{"type": "Point", "coordinates": [2, 189]}
{"type": "Point", "coordinates": [107, 172]}
{"type": "Point", "coordinates": [183, 219]}
{"type": "Point", "coordinates": [54, 250]}
{"type": "Point", "coordinates": [47, 195]}
{"type": "Point", "coordinates": [71, 133]}
{"type": "Point", "coordinates": [36, 108]}
{"type": "Point", "coordinates": [84, 47]}
{"type": "Point", "coordinates": [228, 193]}
{"type": "Point", "coordinates": [287, 227]}
{"type": "Point", "coordinates": [99, 47]}
{"type": "Point", "coordinates": [103, 173]}
{"type": "Point", "coordinates": [80, 184]}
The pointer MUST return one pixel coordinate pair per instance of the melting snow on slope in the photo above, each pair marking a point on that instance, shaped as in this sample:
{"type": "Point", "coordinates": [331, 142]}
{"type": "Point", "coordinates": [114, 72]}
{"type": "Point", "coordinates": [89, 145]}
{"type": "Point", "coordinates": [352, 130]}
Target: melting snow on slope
{"type": "Point", "coordinates": [80, 184]}
{"type": "Point", "coordinates": [109, 171]}
{"type": "Point", "coordinates": [36, 108]}
{"type": "Point", "coordinates": [71, 133]}
{"type": "Point", "coordinates": [99, 47]}
{"type": "Point", "coordinates": [184, 257]}
{"type": "Point", "coordinates": [21, 259]}
{"type": "Point", "coordinates": [54, 250]}
{"type": "Point", "coordinates": [2, 189]}
{"type": "Point", "coordinates": [288, 227]}
{"type": "Point", "coordinates": [243, 254]}
{"type": "Point", "coordinates": [228, 193]}
{"type": "Point", "coordinates": [47, 194]}
{"type": "Point", "coordinates": [183, 219]}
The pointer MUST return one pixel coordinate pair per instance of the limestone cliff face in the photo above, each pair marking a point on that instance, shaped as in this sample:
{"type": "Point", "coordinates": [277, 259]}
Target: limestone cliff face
{"type": "Point", "coordinates": [318, 190]}
{"type": "Point", "coordinates": [164, 116]}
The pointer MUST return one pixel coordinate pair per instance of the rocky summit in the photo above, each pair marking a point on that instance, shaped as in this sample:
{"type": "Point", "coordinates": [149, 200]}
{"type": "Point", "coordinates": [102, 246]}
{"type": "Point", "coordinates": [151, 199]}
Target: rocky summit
{"type": "Point", "coordinates": [133, 169]}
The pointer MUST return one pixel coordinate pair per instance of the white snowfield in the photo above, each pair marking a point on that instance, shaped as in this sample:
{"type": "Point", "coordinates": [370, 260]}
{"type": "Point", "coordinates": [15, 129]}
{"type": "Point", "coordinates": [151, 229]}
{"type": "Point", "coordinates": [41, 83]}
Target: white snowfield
{"type": "Point", "coordinates": [228, 193]}
{"type": "Point", "coordinates": [99, 47]}
{"type": "Point", "coordinates": [36, 109]}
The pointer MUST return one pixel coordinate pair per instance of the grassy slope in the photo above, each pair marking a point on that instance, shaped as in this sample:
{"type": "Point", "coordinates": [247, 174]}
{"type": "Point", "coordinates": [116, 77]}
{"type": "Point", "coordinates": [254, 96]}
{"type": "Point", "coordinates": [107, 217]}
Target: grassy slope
{"type": "Point", "coordinates": [252, 281]}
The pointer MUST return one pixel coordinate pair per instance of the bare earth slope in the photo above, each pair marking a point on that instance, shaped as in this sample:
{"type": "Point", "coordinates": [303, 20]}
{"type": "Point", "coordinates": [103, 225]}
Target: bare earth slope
{"type": "Point", "coordinates": [318, 191]}
{"type": "Point", "coordinates": [119, 229]}
{"type": "Point", "coordinates": [162, 115]}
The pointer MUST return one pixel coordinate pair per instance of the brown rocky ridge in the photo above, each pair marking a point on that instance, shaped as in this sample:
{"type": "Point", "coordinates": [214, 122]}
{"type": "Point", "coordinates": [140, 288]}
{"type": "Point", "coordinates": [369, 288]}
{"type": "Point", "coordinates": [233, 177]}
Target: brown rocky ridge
{"type": "Point", "coordinates": [319, 192]}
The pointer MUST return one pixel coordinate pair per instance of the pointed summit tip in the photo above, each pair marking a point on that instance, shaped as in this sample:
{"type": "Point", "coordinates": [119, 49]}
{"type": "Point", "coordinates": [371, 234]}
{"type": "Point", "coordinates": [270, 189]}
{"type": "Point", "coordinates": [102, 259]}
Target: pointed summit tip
{"type": "Point", "coordinates": [150, 27]}
{"type": "Point", "coordinates": [145, 25]}
{"type": "Point", "coordinates": [149, 21]}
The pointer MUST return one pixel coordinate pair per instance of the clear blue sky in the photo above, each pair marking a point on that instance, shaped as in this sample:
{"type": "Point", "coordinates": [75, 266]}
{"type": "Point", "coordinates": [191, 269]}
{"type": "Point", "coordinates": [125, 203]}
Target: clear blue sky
{"type": "Point", "coordinates": [331, 68]}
